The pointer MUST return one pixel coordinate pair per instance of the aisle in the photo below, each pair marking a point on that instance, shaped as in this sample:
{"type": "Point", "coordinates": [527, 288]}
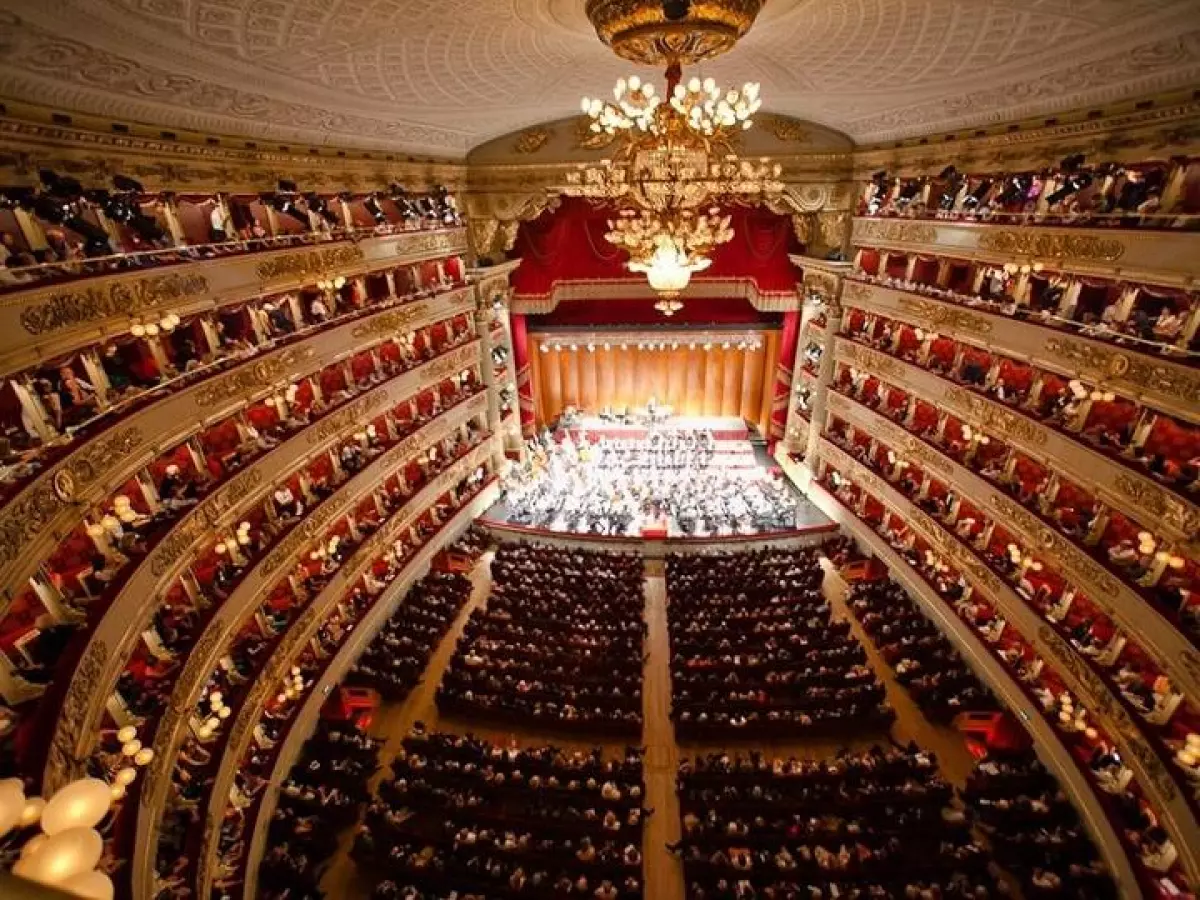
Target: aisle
{"type": "Point", "coordinates": [663, 872]}
{"type": "Point", "coordinates": [393, 722]}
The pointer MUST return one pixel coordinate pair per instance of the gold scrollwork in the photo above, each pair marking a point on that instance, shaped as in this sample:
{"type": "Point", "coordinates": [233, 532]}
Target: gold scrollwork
{"type": "Point", "coordinates": [892, 231]}
{"type": "Point", "coordinates": [252, 378]}
{"type": "Point", "coordinates": [309, 262]}
{"type": "Point", "coordinates": [988, 416]}
{"type": "Point", "coordinates": [350, 417]}
{"type": "Point", "coordinates": [121, 297]}
{"type": "Point", "coordinates": [532, 140]}
{"type": "Point", "coordinates": [1036, 244]}
{"type": "Point", "coordinates": [1174, 512]}
{"type": "Point", "coordinates": [33, 511]}
{"type": "Point", "coordinates": [940, 317]}
{"type": "Point", "coordinates": [64, 763]}
{"type": "Point", "coordinates": [202, 520]}
{"type": "Point", "coordinates": [391, 323]}
{"type": "Point", "coordinates": [1171, 380]}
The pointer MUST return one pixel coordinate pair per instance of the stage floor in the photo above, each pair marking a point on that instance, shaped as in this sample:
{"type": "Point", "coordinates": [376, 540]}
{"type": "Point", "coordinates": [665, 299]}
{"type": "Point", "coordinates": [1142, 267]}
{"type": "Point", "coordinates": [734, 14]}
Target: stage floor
{"type": "Point", "coordinates": [724, 428]}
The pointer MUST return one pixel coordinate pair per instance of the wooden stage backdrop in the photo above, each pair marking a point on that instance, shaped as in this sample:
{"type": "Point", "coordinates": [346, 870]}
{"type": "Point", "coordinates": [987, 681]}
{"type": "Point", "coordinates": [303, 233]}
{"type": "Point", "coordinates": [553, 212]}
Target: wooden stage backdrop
{"type": "Point", "coordinates": [695, 382]}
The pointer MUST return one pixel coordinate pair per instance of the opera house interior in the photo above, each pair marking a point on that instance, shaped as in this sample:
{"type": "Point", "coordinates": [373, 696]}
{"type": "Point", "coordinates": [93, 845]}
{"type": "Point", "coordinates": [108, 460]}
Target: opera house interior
{"type": "Point", "coordinates": [600, 449]}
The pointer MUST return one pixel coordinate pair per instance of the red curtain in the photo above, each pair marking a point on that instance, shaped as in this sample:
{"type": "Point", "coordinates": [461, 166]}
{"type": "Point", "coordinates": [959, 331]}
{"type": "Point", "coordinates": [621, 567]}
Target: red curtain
{"type": "Point", "coordinates": [520, 342]}
{"type": "Point", "coordinates": [568, 244]}
{"type": "Point", "coordinates": [783, 374]}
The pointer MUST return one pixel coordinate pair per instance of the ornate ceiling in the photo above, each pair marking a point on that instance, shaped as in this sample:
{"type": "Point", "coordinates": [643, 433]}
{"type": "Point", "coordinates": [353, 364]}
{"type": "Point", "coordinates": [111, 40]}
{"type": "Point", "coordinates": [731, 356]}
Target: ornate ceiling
{"type": "Point", "coordinates": [441, 76]}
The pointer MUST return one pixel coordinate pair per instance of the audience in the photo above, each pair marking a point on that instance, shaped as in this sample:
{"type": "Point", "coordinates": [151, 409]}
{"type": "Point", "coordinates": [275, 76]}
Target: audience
{"type": "Point", "coordinates": [462, 817]}
{"type": "Point", "coordinates": [755, 653]}
{"type": "Point", "coordinates": [559, 645]}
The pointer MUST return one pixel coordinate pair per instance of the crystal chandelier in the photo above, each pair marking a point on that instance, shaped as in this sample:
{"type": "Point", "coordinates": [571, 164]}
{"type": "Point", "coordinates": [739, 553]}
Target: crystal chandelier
{"type": "Point", "coordinates": [673, 170]}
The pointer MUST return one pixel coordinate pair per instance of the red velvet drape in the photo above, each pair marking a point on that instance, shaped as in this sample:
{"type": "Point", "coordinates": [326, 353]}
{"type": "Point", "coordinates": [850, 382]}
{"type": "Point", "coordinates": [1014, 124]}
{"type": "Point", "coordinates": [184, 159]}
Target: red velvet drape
{"type": "Point", "coordinates": [520, 347]}
{"type": "Point", "coordinates": [568, 244]}
{"type": "Point", "coordinates": [783, 374]}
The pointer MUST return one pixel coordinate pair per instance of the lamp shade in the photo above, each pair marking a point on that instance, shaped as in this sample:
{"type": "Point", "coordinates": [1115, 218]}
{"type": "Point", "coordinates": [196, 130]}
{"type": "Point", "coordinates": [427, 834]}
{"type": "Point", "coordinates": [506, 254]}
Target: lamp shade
{"type": "Point", "coordinates": [94, 885]}
{"type": "Point", "coordinates": [81, 803]}
{"type": "Point", "coordinates": [74, 851]}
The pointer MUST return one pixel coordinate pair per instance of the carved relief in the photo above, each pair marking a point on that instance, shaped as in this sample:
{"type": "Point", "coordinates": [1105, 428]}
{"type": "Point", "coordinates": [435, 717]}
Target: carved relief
{"type": "Point", "coordinates": [64, 764]}
{"type": "Point", "coordinates": [23, 518]}
{"type": "Point", "coordinates": [202, 521]}
{"type": "Point", "coordinates": [1176, 514]}
{"type": "Point", "coordinates": [892, 231]}
{"type": "Point", "coordinates": [391, 323]}
{"type": "Point", "coordinates": [127, 297]}
{"type": "Point", "coordinates": [350, 417]}
{"type": "Point", "coordinates": [940, 317]}
{"type": "Point", "coordinates": [1173, 381]}
{"type": "Point", "coordinates": [988, 416]}
{"type": "Point", "coordinates": [309, 263]}
{"type": "Point", "coordinates": [865, 358]}
{"type": "Point", "coordinates": [1037, 244]}
{"type": "Point", "coordinates": [246, 381]}
{"type": "Point", "coordinates": [532, 140]}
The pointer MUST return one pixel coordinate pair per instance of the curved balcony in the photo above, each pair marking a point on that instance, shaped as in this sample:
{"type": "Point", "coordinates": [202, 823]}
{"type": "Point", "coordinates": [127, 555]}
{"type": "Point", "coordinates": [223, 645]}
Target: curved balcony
{"type": "Point", "coordinates": [1111, 475]}
{"type": "Point", "coordinates": [298, 717]}
{"type": "Point", "coordinates": [253, 692]}
{"type": "Point", "coordinates": [1163, 384]}
{"type": "Point", "coordinates": [1148, 256]}
{"type": "Point", "coordinates": [185, 561]}
{"type": "Point", "coordinates": [1051, 511]}
{"type": "Point", "coordinates": [1021, 639]}
{"type": "Point", "coordinates": [1078, 621]}
{"type": "Point", "coordinates": [55, 501]}
{"type": "Point", "coordinates": [44, 322]}
{"type": "Point", "coordinates": [1150, 195]}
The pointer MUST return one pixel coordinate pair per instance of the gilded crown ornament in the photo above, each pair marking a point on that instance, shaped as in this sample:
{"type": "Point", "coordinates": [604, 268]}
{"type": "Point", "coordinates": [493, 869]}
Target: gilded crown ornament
{"type": "Point", "coordinates": [654, 32]}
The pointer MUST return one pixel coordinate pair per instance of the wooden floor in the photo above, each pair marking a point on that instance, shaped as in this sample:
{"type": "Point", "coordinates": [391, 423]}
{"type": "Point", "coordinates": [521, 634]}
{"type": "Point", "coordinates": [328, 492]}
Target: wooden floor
{"type": "Point", "coordinates": [663, 873]}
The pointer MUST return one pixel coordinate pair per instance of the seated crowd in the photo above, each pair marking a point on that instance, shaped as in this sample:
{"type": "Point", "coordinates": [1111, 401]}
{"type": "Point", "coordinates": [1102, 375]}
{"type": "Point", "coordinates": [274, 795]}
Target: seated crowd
{"type": "Point", "coordinates": [1034, 831]}
{"type": "Point", "coordinates": [397, 657]}
{"type": "Point", "coordinates": [683, 481]}
{"type": "Point", "coordinates": [465, 818]}
{"type": "Point", "coordinates": [875, 824]}
{"type": "Point", "coordinates": [924, 661]}
{"type": "Point", "coordinates": [324, 794]}
{"type": "Point", "coordinates": [755, 653]}
{"type": "Point", "coordinates": [559, 644]}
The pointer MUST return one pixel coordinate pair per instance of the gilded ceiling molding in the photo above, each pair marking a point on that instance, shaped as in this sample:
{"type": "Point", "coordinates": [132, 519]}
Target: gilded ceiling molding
{"type": "Point", "coordinates": [93, 157]}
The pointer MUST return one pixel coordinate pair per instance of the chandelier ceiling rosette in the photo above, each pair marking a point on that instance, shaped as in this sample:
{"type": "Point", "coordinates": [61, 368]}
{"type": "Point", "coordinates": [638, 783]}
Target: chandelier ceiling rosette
{"type": "Point", "coordinates": [675, 166]}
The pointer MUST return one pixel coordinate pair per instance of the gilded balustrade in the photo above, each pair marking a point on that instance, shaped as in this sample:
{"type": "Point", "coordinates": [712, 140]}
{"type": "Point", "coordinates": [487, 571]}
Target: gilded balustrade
{"type": "Point", "coordinates": [84, 704]}
{"type": "Point", "coordinates": [298, 634]}
{"type": "Point", "coordinates": [1154, 257]}
{"type": "Point", "coordinates": [1171, 651]}
{"type": "Point", "coordinates": [1155, 382]}
{"type": "Point", "coordinates": [1156, 779]}
{"type": "Point", "coordinates": [34, 521]}
{"type": "Point", "coordinates": [1116, 485]}
{"type": "Point", "coordinates": [44, 322]}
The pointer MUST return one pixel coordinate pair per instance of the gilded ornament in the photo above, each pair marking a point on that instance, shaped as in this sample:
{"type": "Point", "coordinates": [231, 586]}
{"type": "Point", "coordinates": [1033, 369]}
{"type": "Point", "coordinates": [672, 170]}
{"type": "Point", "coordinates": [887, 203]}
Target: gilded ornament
{"type": "Point", "coordinates": [391, 323]}
{"type": "Point", "coordinates": [941, 317]}
{"type": "Point", "coordinates": [203, 520]}
{"type": "Point", "coordinates": [787, 130]}
{"type": "Point", "coordinates": [349, 417]}
{"type": "Point", "coordinates": [293, 265]}
{"type": "Point", "coordinates": [1175, 513]}
{"type": "Point", "coordinates": [32, 511]}
{"type": "Point", "coordinates": [1037, 244]}
{"type": "Point", "coordinates": [123, 296]}
{"type": "Point", "coordinates": [532, 140]}
{"type": "Point", "coordinates": [892, 231]}
{"type": "Point", "coordinates": [64, 763]}
{"type": "Point", "coordinates": [1150, 375]}
{"type": "Point", "coordinates": [988, 416]}
{"type": "Point", "coordinates": [638, 30]}
{"type": "Point", "coordinates": [248, 379]}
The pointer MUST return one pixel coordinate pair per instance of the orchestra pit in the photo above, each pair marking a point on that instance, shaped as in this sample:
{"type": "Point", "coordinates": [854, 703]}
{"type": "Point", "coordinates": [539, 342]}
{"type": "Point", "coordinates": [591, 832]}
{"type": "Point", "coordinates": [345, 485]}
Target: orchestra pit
{"type": "Point", "coordinates": [600, 450]}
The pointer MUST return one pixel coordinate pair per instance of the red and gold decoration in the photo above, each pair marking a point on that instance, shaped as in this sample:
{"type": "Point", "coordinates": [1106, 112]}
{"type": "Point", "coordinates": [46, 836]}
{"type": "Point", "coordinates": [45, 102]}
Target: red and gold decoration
{"type": "Point", "coordinates": [675, 167]}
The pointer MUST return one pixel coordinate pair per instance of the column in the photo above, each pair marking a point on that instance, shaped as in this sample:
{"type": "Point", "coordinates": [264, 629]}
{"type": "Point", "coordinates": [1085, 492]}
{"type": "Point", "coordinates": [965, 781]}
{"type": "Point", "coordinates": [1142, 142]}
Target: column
{"type": "Point", "coordinates": [783, 374]}
{"type": "Point", "coordinates": [489, 380]}
{"type": "Point", "coordinates": [524, 376]}
{"type": "Point", "coordinates": [833, 316]}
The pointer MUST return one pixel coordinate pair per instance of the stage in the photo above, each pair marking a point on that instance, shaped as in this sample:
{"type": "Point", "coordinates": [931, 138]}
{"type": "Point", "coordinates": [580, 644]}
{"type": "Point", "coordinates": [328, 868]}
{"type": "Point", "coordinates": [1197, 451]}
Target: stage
{"type": "Point", "coordinates": [665, 484]}
{"type": "Point", "coordinates": [723, 428]}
